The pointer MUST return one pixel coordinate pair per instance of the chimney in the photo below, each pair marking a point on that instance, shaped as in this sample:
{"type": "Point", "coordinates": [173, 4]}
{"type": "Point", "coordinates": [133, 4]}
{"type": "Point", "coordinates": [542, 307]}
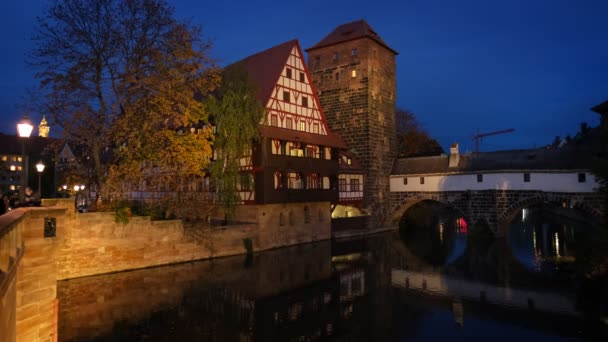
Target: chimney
{"type": "Point", "coordinates": [454, 156]}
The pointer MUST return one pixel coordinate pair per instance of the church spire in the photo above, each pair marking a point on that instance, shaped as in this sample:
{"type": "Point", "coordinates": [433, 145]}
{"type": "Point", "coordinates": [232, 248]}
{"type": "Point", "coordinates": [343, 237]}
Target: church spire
{"type": "Point", "coordinates": [43, 128]}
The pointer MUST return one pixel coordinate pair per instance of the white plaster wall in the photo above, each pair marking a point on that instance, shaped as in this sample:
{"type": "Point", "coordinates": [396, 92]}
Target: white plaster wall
{"type": "Point", "coordinates": [544, 181]}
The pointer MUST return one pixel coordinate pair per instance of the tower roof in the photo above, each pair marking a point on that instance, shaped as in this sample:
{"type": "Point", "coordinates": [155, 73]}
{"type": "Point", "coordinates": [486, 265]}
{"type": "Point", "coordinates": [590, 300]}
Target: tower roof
{"type": "Point", "coordinates": [351, 31]}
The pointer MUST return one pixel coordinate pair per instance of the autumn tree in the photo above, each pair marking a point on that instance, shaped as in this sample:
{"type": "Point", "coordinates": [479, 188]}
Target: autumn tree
{"type": "Point", "coordinates": [236, 114]}
{"type": "Point", "coordinates": [125, 80]}
{"type": "Point", "coordinates": [413, 140]}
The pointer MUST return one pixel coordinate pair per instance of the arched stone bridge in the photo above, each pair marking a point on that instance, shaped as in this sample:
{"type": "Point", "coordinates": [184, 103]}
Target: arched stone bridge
{"type": "Point", "coordinates": [497, 207]}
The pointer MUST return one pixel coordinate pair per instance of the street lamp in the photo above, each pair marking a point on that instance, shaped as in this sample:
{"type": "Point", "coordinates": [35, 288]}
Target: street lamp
{"type": "Point", "coordinates": [24, 129]}
{"type": "Point", "coordinates": [40, 168]}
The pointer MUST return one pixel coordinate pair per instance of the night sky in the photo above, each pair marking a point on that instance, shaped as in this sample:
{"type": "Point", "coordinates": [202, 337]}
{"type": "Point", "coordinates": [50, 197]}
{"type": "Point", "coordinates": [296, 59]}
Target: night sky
{"type": "Point", "coordinates": [464, 66]}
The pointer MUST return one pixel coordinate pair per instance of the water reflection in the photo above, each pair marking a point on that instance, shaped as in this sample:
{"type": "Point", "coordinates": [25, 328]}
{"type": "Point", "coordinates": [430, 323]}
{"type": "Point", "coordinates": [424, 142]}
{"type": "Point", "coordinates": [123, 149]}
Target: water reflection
{"type": "Point", "coordinates": [543, 243]}
{"type": "Point", "coordinates": [366, 289]}
{"type": "Point", "coordinates": [434, 233]}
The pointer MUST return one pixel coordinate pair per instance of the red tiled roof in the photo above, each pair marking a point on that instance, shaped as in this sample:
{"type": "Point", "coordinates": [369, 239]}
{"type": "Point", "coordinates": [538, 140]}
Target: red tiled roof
{"type": "Point", "coordinates": [264, 68]}
{"type": "Point", "coordinates": [330, 140]}
{"type": "Point", "coordinates": [351, 31]}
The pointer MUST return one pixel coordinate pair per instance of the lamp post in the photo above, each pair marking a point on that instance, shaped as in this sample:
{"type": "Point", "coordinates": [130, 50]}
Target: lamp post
{"type": "Point", "coordinates": [40, 168]}
{"type": "Point", "coordinates": [24, 129]}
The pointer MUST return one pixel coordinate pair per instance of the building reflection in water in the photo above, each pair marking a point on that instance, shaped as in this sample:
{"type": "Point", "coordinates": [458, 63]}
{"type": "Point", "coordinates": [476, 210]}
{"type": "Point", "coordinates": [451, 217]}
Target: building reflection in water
{"type": "Point", "coordinates": [368, 289]}
{"type": "Point", "coordinates": [293, 294]}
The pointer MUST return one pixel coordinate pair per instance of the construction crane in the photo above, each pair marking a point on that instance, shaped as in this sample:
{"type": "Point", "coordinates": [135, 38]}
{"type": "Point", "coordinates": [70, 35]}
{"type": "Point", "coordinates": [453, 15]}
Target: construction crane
{"type": "Point", "coordinates": [478, 137]}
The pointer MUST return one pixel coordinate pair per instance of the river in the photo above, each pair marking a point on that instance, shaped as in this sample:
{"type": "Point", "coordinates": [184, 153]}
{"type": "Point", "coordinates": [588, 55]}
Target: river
{"type": "Point", "coordinates": [438, 277]}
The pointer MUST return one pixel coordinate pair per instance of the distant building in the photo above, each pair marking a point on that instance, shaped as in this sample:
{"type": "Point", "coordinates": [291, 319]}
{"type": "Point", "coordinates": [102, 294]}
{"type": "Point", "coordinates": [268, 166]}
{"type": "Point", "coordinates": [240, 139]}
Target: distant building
{"type": "Point", "coordinates": [43, 128]}
{"type": "Point", "coordinates": [13, 167]}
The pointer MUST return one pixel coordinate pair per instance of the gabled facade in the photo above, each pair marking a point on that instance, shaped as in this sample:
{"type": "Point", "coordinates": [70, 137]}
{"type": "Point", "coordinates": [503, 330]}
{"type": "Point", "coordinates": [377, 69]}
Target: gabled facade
{"type": "Point", "coordinates": [297, 157]}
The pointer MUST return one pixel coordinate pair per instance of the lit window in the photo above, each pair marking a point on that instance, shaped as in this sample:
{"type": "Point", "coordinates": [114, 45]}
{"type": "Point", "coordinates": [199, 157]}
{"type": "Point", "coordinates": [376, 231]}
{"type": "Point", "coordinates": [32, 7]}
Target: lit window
{"type": "Point", "coordinates": [315, 128]}
{"type": "Point", "coordinates": [286, 96]}
{"type": "Point", "coordinates": [302, 126]}
{"type": "Point", "coordinates": [12, 187]}
{"type": "Point", "coordinates": [3, 158]}
{"type": "Point", "coordinates": [288, 72]}
{"type": "Point", "coordinates": [479, 178]}
{"type": "Point", "coordinates": [304, 101]}
{"type": "Point", "coordinates": [526, 178]}
{"type": "Point", "coordinates": [13, 168]}
{"type": "Point", "coordinates": [19, 168]}
{"type": "Point", "coordinates": [353, 73]}
{"type": "Point", "coordinates": [19, 159]}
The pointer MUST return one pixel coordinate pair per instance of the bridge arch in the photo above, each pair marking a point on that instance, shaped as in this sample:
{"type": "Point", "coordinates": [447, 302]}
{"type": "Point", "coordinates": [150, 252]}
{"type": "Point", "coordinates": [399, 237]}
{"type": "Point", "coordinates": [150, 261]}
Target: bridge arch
{"type": "Point", "coordinates": [452, 201]}
{"type": "Point", "coordinates": [580, 202]}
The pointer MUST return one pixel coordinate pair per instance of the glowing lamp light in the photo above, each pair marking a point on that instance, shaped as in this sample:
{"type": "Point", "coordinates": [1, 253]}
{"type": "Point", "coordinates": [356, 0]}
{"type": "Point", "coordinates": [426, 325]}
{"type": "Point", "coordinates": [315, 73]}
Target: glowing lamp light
{"type": "Point", "coordinates": [65, 187]}
{"type": "Point", "coordinates": [40, 167]}
{"type": "Point", "coordinates": [76, 187]}
{"type": "Point", "coordinates": [82, 187]}
{"type": "Point", "coordinates": [25, 127]}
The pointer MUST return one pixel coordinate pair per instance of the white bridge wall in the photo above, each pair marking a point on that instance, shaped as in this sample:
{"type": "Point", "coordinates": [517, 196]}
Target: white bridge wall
{"type": "Point", "coordinates": [543, 181]}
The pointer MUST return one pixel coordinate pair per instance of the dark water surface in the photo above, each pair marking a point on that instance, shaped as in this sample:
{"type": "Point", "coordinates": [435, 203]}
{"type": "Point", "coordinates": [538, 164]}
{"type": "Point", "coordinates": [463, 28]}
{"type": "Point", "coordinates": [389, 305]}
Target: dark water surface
{"type": "Point", "coordinates": [435, 279]}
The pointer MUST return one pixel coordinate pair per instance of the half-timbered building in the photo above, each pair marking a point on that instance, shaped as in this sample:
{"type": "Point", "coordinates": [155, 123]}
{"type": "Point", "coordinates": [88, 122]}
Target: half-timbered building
{"type": "Point", "coordinates": [297, 157]}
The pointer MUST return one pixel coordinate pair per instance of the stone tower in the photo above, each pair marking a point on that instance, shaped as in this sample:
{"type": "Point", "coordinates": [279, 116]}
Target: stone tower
{"type": "Point", "coordinates": [43, 128]}
{"type": "Point", "coordinates": [354, 71]}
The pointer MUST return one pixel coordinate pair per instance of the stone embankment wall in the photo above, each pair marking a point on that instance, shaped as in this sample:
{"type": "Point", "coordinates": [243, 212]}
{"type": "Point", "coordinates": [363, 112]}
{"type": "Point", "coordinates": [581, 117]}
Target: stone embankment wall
{"type": "Point", "coordinates": [92, 243]}
{"type": "Point", "coordinates": [29, 305]}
